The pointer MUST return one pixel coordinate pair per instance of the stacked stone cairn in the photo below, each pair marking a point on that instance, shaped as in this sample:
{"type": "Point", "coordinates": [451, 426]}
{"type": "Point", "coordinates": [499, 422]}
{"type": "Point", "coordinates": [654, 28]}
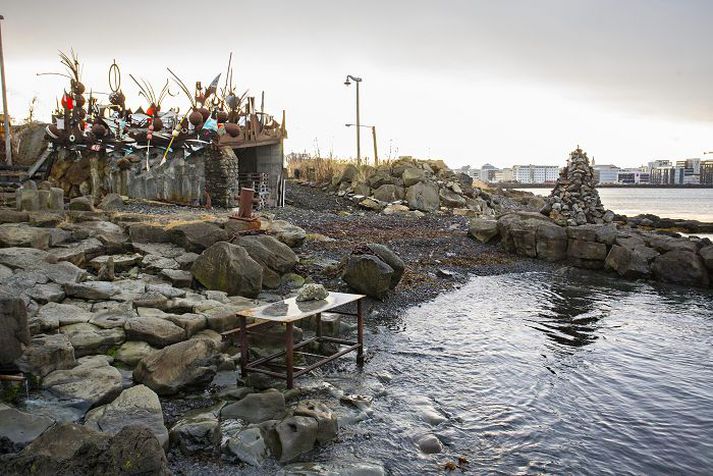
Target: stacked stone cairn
{"type": "Point", "coordinates": [575, 200]}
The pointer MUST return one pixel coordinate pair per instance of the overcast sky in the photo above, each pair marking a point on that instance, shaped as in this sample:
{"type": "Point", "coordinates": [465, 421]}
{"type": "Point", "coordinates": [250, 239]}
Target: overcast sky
{"type": "Point", "coordinates": [468, 81]}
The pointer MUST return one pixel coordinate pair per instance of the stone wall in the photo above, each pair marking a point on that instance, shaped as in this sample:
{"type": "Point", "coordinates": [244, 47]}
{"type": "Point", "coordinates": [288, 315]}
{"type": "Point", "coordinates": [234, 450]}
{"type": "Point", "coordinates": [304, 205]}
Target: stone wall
{"type": "Point", "coordinates": [629, 252]}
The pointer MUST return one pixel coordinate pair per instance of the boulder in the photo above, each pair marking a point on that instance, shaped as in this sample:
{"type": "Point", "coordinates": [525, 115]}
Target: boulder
{"type": "Point", "coordinates": [148, 233]}
{"type": "Point", "coordinates": [22, 258]}
{"type": "Point", "coordinates": [707, 255]}
{"type": "Point", "coordinates": [121, 262]}
{"type": "Point", "coordinates": [551, 242]}
{"type": "Point", "coordinates": [682, 267]}
{"type": "Point", "coordinates": [451, 199]}
{"type": "Point", "coordinates": [518, 232]}
{"type": "Point", "coordinates": [178, 277]}
{"type": "Point", "coordinates": [630, 263]}
{"type": "Point", "coordinates": [18, 429]}
{"type": "Point", "coordinates": [291, 235]}
{"type": "Point", "coordinates": [90, 339]}
{"type": "Point", "coordinates": [369, 275]}
{"type": "Point", "coordinates": [327, 425]}
{"type": "Point", "coordinates": [46, 353]}
{"type": "Point", "coordinates": [44, 293]}
{"type": "Point", "coordinates": [197, 236]}
{"type": "Point", "coordinates": [80, 253]}
{"type": "Point", "coordinates": [297, 434]}
{"type": "Point", "coordinates": [248, 446]}
{"type": "Point", "coordinates": [83, 204]}
{"type": "Point", "coordinates": [413, 175]}
{"type": "Point", "coordinates": [156, 332]}
{"type": "Point", "coordinates": [586, 250]}
{"type": "Point", "coordinates": [276, 258]}
{"type": "Point", "coordinates": [131, 352]}
{"type": "Point", "coordinates": [69, 449]}
{"type": "Point", "coordinates": [92, 290]}
{"type": "Point", "coordinates": [63, 272]}
{"type": "Point", "coordinates": [21, 235]}
{"type": "Point", "coordinates": [92, 382]}
{"type": "Point", "coordinates": [111, 201]}
{"type": "Point", "coordinates": [348, 174]}
{"type": "Point", "coordinates": [197, 431]}
{"type": "Point", "coordinates": [257, 407]}
{"type": "Point", "coordinates": [389, 193]}
{"type": "Point", "coordinates": [227, 267]}
{"type": "Point", "coordinates": [430, 444]}
{"type": "Point", "coordinates": [138, 406]}
{"type": "Point", "coordinates": [483, 229]}
{"type": "Point", "coordinates": [13, 216]}
{"type": "Point", "coordinates": [178, 366]}
{"type": "Point", "coordinates": [385, 254]}
{"type": "Point", "coordinates": [14, 330]}
{"type": "Point", "coordinates": [423, 196]}
{"type": "Point", "coordinates": [378, 179]}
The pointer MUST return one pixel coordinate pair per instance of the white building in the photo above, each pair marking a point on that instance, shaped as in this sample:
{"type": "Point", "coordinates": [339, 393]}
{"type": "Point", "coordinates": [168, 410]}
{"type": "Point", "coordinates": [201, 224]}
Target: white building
{"type": "Point", "coordinates": [535, 173]}
{"type": "Point", "coordinates": [634, 176]}
{"type": "Point", "coordinates": [606, 173]}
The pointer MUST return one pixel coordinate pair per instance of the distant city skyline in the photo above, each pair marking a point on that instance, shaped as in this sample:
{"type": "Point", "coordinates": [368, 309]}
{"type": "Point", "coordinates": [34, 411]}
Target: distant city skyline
{"type": "Point", "coordinates": [471, 82]}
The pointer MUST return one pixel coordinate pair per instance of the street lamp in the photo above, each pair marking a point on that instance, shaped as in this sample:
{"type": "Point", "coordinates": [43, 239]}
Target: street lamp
{"type": "Point", "coordinates": [348, 82]}
{"type": "Point", "coordinates": [8, 146]}
{"type": "Point", "coordinates": [373, 135]}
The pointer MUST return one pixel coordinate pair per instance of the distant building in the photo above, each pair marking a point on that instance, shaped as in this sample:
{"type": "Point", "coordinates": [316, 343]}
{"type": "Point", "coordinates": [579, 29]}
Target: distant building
{"type": "Point", "coordinates": [706, 172]}
{"type": "Point", "coordinates": [504, 175]}
{"type": "Point", "coordinates": [634, 176]}
{"type": "Point", "coordinates": [606, 173]}
{"type": "Point", "coordinates": [531, 174]}
{"type": "Point", "coordinates": [487, 173]}
{"type": "Point", "coordinates": [689, 171]}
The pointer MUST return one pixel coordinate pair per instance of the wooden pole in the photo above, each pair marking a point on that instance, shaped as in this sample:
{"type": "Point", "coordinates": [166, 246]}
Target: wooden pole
{"type": "Point", "coordinates": [376, 153]}
{"type": "Point", "coordinates": [358, 125]}
{"type": "Point", "coordinates": [8, 145]}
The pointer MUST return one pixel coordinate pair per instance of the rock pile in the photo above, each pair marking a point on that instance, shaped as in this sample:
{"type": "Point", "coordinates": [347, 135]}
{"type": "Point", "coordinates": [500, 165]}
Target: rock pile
{"type": "Point", "coordinates": [575, 200]}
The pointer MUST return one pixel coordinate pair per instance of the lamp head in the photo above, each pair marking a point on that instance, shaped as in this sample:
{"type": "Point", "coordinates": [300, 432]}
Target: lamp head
{"type": "Point", "coordinates": [347, 82]}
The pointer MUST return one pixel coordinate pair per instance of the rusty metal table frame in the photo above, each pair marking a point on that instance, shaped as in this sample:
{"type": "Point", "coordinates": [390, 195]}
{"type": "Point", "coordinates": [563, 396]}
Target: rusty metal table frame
{"type": "Point", "coordinates": [308, 309]}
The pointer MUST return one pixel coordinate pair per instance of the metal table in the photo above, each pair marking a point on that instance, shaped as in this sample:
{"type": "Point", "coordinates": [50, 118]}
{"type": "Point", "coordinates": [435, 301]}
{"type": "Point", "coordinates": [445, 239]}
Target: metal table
{"type": "Point", "coordinates": [288, 312]}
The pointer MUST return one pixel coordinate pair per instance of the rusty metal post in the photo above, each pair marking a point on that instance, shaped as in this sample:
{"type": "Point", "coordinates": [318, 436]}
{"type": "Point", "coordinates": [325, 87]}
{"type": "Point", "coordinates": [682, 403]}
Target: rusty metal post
{"type": "Point", "coordinates": [245, 209]}
{"type": "Point", "coordinates": [243, 347]}
{"type": "Point", "coordinates": [289, 358]}
{"type": "Point", "coordinates": [376, 152]}
{"type": "Point", "coordinates": [8, 145]}
{"type": "Point", "coordinates": [360, 334]}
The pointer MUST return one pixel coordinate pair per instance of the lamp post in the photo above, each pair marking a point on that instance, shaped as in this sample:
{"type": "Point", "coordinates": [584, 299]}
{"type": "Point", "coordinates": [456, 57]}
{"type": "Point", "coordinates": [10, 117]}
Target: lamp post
{"type": "Point", "coordinates": [373, 135]}
{"type": "Point", "coordinates": [347, 82]}
{"type": "Point", "coordinates": [8, 146]}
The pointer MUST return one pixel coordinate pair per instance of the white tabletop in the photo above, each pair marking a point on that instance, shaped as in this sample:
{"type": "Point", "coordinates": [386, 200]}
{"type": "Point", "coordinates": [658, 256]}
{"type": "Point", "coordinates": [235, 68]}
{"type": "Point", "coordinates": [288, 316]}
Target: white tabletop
{"type": "Point", "coordinates": [291, 310]}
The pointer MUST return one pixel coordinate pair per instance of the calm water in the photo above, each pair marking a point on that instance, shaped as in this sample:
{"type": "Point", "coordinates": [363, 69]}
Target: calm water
{"type": "Point", "coordinates": [564, 373]}
{"type": "Point", "coordinates": [690, 203]}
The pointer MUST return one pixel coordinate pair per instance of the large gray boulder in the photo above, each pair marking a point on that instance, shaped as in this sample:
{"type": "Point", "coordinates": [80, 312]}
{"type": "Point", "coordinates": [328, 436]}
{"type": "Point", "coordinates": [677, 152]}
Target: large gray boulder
{"type": "Point", "coordinates": [197, 236]}
{"type": "Point", "coordinates": [483, 229]}
{"type": "Point", "coordinates": [89, 339]}
{"type": "Point", "coordinates": [137, 405]}
{"type": "Point", "coordinates": [451, 199]}
{"type": "Point", "coordinates": [423, 196]}
{"type": "Point", "coordinates": [389, 193]}
{"type": "Point", "coordinates": [387, 255]}
{"type": "Point", "coordinates": [631, 263]}
{"type": "Point", "coordinates": [131, 352]}
{"type": "Point", "coordinates": [413, 175]}
{"type": "Point", "coordinates": [22, 258]}
{"type": "Point", "coordinates": [69, 449]}
{"type": "Point", "coordinates": [551, 242]}
{"type": "Point", "coordinates": [155, 331]}
{"type": "Point", "coordinates": [349, 173]}
{"type": "Point", "coordinates": [518, 232]}
{"type": "Point", "coordinates": [92, 382]}
{"type": "Point", "coordinates": [291, 235]}
{"type": "Point", "coordinates": [707, 254]}
{"type": "Point", "coordinates": [18, 429]}
{"type": "Point", "coordinates": [257, 407]}
{"type": "Point", "coordinates": [587, 254]}
{"type": "Point", "coordinates": [682, 267]}
{"type": "Point", "coordinates": [367, 274]}
{"type": "Point", "coordinates": [46, 353]}
{"type": "Point", "coordinates": [178, 366]}
{"type": "Point", "coordinates": [248, 446]}
{"type": "Point", "coordinates": [227, 267]}
{"type": "Point", "coordinates": [14, 329]}
{"type": "Point", "coordinates": [197, 431]}
{"type": "Point", "coordinates": [22, 235]}
{"type": "Point", "coordinates": [298, 435]}
{"type": "Point", "coordinates": [148, 233]}
{"type": "Point", "coordinates": [327, 425]}
{"type": "Point", "coordinates": [275, 257]}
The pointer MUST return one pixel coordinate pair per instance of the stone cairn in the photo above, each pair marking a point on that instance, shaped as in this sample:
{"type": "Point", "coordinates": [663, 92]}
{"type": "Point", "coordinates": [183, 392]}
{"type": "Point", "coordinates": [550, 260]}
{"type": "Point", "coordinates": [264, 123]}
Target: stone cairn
{"type": "Point", "coordinates": [575, 200]}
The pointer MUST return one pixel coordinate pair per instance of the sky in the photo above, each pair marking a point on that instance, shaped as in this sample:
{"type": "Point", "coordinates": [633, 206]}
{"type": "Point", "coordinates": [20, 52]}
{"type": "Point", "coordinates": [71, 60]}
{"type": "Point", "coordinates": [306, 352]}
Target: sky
{"type": "Point", "coordinates": [468, 81]}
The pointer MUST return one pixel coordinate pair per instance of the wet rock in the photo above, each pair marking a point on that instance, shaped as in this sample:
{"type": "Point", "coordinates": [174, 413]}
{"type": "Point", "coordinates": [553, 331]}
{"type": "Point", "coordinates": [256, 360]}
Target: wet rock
{"type": "Point", "coordinates": [111, 201]}
{"type": "Point", "coordinates": [257, 407]}
{"type": "Point", "coordinates": [340, 468]}
{"type": "Point", "coordinates": [157, 332]}
{"type": "Point", "coordinates": [483, 229]}
{"type": "Point", "coordinates": [14, 330]}
{"type": "Point", "coordinates": [70, 449]}
{"type": "Point", "coordinates": [248, 446]}
{"type": "Point", "coordinates": [430, 444]}
{"type": "Point", "coordinates": [227, 267]}
{"type": "Point", "coordinates": [21, 235]}
{"type": "Point", "coordinates": [92, 382]}
{"type": "Point", "coordinates": [551, 242]}
{"type": "Point", "coordinates": [197, 236]}
{"type": "Point", "coordinates": [630, 263]}
{"type": "Point", "coordinates": [707, 255]}
{"type": "Point", "coordinates": [176, 367]}
{"type": "Point", "coordinates": [423, 196]}
{"type": "Point", "coordinates": [326, 420]}
{"type": "Point", "coordinates": [81, 204]}
{"type": "Point", "coordinates": [198, 431]}
{"type": "Point", "coordinates": [369, 275]}
{"type": "Point", "coordinates": [131, 352]}
{"type": "Point", "coordinates": [92, 290]}
{"type": "Point", "coordinates": [47, 353]}
{"type": "Point", "coordinates": [89, 339]}
{"type": "Point", "coordinates": [297, 435]}
{"type": "Point", "coordinates": [137, 405]}
{"type": "Point", "coordinates": [681, 267]}
{"type": "Point", "coordinates": [291, 235]}
{"type": "Point", "coordinates": [518, 232]}
{"type": "Point", "coordinates": [387, 255]}
{"type": "Point", "coordinates": [18, 429]}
